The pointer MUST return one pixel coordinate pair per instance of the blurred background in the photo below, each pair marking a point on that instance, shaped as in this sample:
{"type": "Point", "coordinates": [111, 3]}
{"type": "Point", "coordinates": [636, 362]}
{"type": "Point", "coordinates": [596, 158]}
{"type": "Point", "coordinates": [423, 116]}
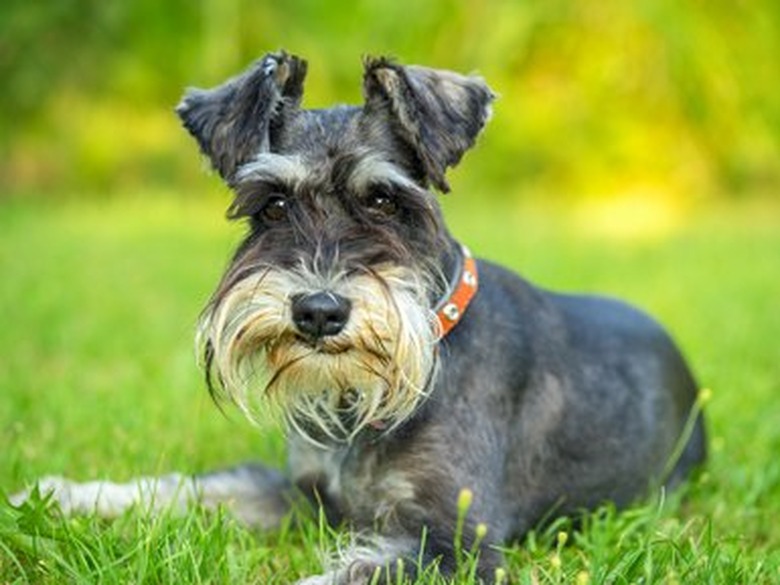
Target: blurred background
{"type": "Point", "coordinates": [635, 149]}
{"type": "Point", "coordinates": [660, 103]}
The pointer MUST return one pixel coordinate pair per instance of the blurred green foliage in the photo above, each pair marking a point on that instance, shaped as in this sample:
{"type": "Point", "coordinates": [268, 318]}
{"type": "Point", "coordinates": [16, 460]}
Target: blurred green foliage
{"type": "Point", "coordinates": [679, 99]}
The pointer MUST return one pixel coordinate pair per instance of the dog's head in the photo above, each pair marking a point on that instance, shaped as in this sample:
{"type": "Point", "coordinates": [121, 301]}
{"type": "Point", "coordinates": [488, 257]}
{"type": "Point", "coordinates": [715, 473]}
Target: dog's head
{"type": "Point", "coordinates": [327, 309]}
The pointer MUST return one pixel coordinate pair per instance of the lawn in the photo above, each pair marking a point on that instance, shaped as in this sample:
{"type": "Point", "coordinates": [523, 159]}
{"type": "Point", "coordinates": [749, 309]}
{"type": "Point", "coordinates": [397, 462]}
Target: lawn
{"type": "Point", "coordinates": [97, 378]}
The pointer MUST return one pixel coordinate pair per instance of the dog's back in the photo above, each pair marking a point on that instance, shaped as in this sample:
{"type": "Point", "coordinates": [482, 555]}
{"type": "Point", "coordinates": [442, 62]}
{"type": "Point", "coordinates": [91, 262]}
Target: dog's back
{"type": "Point", "coordinates": [593, 395]}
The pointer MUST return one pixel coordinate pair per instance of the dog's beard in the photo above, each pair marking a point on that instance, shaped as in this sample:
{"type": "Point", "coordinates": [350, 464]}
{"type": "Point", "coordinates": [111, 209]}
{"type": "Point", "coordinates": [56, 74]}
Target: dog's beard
{"type": "Point", "coordinates": [373, 373]}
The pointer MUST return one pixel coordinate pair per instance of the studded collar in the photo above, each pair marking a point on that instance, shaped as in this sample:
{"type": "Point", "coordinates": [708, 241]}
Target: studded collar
{"type": "Point", "coordinates": [460, 293]}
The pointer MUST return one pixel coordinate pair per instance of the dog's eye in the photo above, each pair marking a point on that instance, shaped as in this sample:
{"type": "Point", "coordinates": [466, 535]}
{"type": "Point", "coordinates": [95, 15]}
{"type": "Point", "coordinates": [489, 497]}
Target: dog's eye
{"type": "Point", "coordinates": [275, 209]}
{"type": "Point", "coordinates": [381, 201]}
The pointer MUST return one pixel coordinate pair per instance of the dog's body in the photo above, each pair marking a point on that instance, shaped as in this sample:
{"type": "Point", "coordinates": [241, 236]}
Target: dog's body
{"type": "Point", "coordinates": [353, 312]}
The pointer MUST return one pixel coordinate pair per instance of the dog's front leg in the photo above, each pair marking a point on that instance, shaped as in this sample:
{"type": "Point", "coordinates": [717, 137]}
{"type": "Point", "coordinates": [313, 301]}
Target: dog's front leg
{"type": "Point", "coordinates": [389, 559]}
{"type": "Point", "coordinates": [403, 527]}
{"type": "Point", "coordinates": [374, 560]}
{"type": "Point", "coordinates": [255, 495]}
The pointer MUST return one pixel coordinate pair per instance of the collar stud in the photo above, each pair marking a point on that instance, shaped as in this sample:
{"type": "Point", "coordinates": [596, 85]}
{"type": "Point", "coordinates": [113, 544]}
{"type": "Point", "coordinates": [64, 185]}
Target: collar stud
{"type": "Point", "coordinates": [450, 309]}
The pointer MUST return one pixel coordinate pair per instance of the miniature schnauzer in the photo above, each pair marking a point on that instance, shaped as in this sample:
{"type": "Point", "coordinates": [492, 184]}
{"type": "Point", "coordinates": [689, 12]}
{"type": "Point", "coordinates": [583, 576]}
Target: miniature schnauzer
{"type": "Point", "coordinates": [404, 370]}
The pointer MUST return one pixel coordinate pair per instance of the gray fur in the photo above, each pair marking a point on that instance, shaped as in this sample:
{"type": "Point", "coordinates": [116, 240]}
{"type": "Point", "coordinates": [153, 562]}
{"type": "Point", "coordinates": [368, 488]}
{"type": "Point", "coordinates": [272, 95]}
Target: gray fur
{"type": "Point", "coordinates": [236, 120]}
{"type": "Point", "coordinates": [541, 404]}
{"type": "Point", "coordinates": [438, 113]}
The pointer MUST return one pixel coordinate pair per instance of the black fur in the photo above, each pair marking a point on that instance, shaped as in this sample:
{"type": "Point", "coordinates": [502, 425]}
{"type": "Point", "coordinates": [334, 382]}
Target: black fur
{"type": "Point", "coordinates": [544, 404]}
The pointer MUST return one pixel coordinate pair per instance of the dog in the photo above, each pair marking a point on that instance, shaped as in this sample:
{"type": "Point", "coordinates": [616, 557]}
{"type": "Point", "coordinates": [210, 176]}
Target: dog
{"type": "Point", "coordinates": [427, 396]}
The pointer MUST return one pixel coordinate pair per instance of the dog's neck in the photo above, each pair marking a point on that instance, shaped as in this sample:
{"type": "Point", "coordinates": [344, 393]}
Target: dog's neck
{"type": "Point", "coordinates": [462, 287]}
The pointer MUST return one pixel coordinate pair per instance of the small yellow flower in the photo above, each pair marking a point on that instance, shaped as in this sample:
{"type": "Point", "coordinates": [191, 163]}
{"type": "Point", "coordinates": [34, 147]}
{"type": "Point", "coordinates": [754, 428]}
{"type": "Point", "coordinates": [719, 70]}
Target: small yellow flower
{"type": "Point", "coordinates": [465, 497]}
{"type": "Point", "coordinates": [555, 562]}
{"type": "Point", "coordinates": [583, 578]}
{"type": "Point", "coordinates": [563, 537]}
{"type": "Point", "coordinates": [481, 530]}
{"type": "Point", "coordinates": [500, 575]}
{"type": "Point", "coordinates": [705, 395]}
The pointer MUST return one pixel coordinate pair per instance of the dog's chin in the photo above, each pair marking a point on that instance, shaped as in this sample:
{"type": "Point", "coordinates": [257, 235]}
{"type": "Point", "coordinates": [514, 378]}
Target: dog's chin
{"type": "Point", "coordinates": [331, 390]}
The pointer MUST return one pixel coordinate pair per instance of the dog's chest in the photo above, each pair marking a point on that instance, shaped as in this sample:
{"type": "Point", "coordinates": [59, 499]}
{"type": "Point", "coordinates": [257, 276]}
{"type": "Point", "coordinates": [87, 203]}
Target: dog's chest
{"type": "Point", "coordinates": [360, 481]}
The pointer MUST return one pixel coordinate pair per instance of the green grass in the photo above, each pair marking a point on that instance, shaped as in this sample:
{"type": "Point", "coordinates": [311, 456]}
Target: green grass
{"type": "Point", "coordinates": [97, 379]}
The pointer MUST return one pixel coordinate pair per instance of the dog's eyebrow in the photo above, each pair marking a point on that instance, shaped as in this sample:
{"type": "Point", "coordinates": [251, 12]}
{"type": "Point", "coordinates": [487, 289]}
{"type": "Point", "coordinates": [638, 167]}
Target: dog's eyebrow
{"type": "Point", "coordinates": [269, 167]}
{"type": "Point", "coordinates": [372, 168]}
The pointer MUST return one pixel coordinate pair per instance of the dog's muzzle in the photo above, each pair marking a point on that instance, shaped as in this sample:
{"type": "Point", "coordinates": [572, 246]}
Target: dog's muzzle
{"type": "Point", "coordinates": [333, 356]}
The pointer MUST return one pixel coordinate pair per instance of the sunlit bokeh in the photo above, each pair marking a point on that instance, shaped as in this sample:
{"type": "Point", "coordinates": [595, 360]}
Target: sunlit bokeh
{"type": "Point", "coordinates": [639, 109]}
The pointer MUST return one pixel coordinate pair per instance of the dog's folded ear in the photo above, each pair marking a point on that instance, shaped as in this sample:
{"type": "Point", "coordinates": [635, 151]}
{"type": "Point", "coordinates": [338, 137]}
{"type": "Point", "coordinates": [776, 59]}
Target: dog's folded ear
{"type": "Point", "coordinates": [437, 113]}
{"type": "Point", "coordinates": [236, 120]}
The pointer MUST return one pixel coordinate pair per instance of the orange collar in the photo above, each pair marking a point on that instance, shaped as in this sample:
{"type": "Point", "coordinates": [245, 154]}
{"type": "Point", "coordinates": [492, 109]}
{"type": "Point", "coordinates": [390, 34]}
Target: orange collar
{"type": "Point", "coordinates": [453, 305]}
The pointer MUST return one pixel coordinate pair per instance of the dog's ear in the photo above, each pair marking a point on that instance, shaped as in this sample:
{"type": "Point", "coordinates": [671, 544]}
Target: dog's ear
{"type": "Point", "coordinates": [238, 119]}
{"type": "Point", "coordinates": [438, 113]}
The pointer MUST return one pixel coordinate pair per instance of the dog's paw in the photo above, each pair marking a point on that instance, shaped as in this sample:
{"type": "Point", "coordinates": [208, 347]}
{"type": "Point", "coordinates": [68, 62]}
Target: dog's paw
{"type": "Point", "coordinates": [358, 573]}
{"type": "Point", "coordinates": [54, 488]}
{"type": "Point", "coordinates": [105, 498]}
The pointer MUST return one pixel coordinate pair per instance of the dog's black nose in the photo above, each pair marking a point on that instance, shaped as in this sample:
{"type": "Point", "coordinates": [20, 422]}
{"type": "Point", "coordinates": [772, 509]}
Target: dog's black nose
{"type": "Point", "coordinates": [320, 314]}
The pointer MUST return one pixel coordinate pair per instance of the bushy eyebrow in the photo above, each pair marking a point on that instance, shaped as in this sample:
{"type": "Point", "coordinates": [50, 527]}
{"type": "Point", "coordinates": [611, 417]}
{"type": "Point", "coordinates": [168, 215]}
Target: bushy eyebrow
{"type": "Point", "coordinates": [280, 169]}
{"type": "Point", "coordinates": [372, 169]}
{"type": "Point", "coordinates": [355, 172]}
